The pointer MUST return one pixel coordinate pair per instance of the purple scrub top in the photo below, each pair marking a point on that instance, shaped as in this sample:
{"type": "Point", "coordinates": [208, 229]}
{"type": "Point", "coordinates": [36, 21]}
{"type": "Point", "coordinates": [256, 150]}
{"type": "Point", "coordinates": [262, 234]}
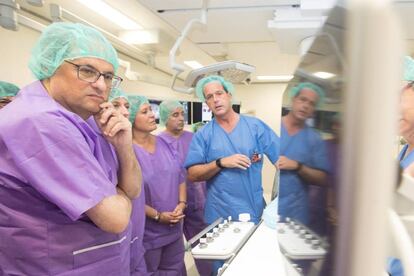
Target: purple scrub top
{"type": "Point", "coordinates": [196, 191]}
{"type": "Point", "coordinates": [162, 176]}
{"type": "Point", "coordinates": [52, 170]}
{"type": "Point", "coordinates": [137, 264]}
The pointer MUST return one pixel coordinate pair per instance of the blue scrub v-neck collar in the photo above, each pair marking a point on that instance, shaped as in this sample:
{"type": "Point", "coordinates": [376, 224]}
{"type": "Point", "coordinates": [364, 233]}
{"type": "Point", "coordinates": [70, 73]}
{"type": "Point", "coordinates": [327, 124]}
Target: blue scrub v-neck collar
{"type": "Point", "coordinates": [234, 128]}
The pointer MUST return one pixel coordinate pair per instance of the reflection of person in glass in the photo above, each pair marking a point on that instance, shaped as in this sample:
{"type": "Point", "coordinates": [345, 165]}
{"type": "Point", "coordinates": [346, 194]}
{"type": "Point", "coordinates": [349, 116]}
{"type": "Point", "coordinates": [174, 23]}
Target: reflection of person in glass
{"type": "Point", "coordinates": [303, 161]}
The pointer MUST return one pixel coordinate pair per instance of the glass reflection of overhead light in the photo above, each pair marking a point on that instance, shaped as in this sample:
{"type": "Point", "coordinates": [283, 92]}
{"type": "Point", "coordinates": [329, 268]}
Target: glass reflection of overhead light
{"type": "Point", "coordinates": [275, 78]}
{"type": "Point", "coordinates": [111, 14]}
{"type": "Point", "coordinates": [324, 75]}
{"type": "Point", "coordinates": [193, 64]}
{"type": "Point", "coordinates": [232, 71]}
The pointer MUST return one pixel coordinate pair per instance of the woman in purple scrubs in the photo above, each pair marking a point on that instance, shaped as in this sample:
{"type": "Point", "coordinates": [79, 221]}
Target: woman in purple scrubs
{"type": "Point", "coordinates": [64, 206]}
{"type": "Point", "coordinates": [138, 267]}
{"type": "Point", "coordinates": [165, 194]}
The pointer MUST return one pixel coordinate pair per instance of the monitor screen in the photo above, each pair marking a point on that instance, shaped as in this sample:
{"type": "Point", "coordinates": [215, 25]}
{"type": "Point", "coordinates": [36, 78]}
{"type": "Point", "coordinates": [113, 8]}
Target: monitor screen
{"type": "Point", "coordinates": [202, 113]}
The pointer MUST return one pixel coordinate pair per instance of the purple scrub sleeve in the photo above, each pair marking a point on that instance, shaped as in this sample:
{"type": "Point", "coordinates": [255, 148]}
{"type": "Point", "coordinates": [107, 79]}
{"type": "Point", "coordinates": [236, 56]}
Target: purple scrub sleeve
{"type": "Point", "coordinates": [53, 168]}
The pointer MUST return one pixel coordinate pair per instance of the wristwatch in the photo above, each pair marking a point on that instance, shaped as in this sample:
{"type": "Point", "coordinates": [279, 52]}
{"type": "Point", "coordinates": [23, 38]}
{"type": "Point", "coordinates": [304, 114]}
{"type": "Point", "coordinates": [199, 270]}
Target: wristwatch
{"type": "Point", "coordinates": [218, 163]}
{"type": "Point", "coordinates": [299, 166]}
{"type": "Point", "coordinates": [157, 217]}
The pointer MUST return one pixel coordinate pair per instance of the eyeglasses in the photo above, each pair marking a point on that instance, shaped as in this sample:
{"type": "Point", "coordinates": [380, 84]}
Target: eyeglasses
{"type": "Point", "coordinates": [89, 74]}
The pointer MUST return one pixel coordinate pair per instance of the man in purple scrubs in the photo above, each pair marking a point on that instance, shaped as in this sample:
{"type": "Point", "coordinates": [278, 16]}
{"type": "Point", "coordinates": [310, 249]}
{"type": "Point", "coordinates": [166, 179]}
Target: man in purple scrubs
{"type": "Point", "coordinates": [172, 116]}
{"type": "Point", "coordinates": [63, 208]}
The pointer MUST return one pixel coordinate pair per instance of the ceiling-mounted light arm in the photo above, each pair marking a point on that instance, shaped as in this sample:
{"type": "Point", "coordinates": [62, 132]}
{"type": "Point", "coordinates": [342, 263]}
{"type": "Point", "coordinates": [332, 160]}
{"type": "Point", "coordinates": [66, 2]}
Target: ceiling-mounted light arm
{"type": "Point", "coordinates": [179, 68]}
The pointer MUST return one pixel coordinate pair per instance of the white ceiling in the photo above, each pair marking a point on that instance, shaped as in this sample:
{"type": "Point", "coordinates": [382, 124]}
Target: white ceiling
{"type": "Point", "coordinates": [236, 29]}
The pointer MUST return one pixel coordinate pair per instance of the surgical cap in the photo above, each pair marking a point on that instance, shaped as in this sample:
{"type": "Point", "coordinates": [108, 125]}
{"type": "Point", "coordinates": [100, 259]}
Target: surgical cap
{"type": "Point", "coordinates": [408, 69]}
{"type": "Point", "coordinates": [166, 108]}
{"type": "Point", "coordinates": [117, 93]}
{"type": "Point", "coordinates": [8, 89]}
{"type": "Point", "coordinates": [308, 85]}
{"type": "Point", "coordinates": [135, 103]}
{"type": "Point", "coordinates": [228, 86]}
{"type": "Point", "coordinates": [67, 41]}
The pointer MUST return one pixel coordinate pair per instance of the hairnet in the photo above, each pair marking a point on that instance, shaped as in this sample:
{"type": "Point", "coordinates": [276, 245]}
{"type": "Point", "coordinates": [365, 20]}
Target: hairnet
{"type": "Point", "coordinates": [135, 103]}
{"type": "Point", "coordinates": [8, 89]}
{"type": "Point", "coordinates": [228, 86]}
{"type": "Point", "coordinates": [117, 93]}
{"type": "Point", "coordinates": [196, 126]}
{"type": "Point", "coordinates": [321, 93]}
{"type": "Point", "coordinates": [408, 69]}
{"type": "Point", "coordinates": [166, 108]}
{"type": "Point", "coordinates": [66, 41]}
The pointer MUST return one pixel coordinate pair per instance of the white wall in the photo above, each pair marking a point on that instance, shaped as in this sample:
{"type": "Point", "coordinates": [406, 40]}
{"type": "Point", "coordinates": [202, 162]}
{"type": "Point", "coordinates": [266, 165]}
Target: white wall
{"type": "Point", "coordinates": [264, 100]}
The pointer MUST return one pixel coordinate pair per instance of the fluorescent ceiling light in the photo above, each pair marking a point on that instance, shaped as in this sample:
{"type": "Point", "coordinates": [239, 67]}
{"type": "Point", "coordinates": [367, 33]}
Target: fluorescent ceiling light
{"type": "Point", "coordinates": [139, 36]}
{"type": "Point", "coordinates": [324, 75]}
{"type": "Point", "coordinates": [193, 64]}
{"type": "Point", "coordinates": [111, 14]}
{"type": "Point", "coordinates": [275, 78]}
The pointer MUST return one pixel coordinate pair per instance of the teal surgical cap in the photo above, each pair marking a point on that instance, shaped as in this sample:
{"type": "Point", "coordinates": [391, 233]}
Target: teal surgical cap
{"type": "Point", "coordinates": [295, 91]}
{"type": "Point", "coordinates": [67, 41]}
{"type": "Point", "coordinates": [228, 86]}
{"type": "Point", "coordinates": [166, 108]}
{"type": "Point", "coordinates": [117, 93]}
{"type": "Point", "coordinates": [135, 103]}
{"type": "Point", "coordinates": [8, 89]}
{"type": "Point", "coordinates": [408, 69]}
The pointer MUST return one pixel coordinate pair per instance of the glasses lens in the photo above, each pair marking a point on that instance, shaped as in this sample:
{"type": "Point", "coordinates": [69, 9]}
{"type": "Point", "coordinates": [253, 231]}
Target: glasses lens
{"type": "Point", "coordinates": [88, 73]}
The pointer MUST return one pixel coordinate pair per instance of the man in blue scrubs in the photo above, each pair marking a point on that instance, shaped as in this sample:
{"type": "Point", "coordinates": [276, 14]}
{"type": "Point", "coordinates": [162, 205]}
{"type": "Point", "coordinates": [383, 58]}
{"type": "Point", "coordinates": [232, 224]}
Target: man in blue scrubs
{"type": "Point", "coordinates": [303, 162]}
{"type": "Point", "coordinates": [228, 153]}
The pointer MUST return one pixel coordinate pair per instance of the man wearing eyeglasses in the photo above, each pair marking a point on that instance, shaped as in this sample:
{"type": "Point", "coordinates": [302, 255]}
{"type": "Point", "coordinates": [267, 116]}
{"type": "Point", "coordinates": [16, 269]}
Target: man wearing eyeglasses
{"type": "Point", "coordinates": [65, 195]}
{"type": "Point", "coordinates": [228, 153]}
{"type": "Point", "coordinates": [7, 93]}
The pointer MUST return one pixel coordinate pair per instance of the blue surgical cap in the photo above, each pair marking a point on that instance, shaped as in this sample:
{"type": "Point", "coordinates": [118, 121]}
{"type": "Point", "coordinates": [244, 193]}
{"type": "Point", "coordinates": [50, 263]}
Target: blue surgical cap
{"type": "Point", "coordinates": [135, 103]}
{"type": "Point", "coordinates": [117, 93]}
{"type": "Point", "coordinates": [67, 41]}
{"type": "Point", "coordinates": [8, 89]}
{"type": "Point", "coordinates": [166, 108]}
{"type": "Point", "coordinates": [408, 69]}
{"type": "Point", "coordinates": [228, 86]}
{"type": "Point", "coordinates": [317, 89]}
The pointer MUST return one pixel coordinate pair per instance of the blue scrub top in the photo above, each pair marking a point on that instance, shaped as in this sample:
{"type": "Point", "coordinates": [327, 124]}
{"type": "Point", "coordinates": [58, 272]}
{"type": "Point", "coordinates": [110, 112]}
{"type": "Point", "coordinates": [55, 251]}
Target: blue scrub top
{"type": "Point", "coordinates": [308, 148]}
{"type": "Point", "coordinates": [234, 191]}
